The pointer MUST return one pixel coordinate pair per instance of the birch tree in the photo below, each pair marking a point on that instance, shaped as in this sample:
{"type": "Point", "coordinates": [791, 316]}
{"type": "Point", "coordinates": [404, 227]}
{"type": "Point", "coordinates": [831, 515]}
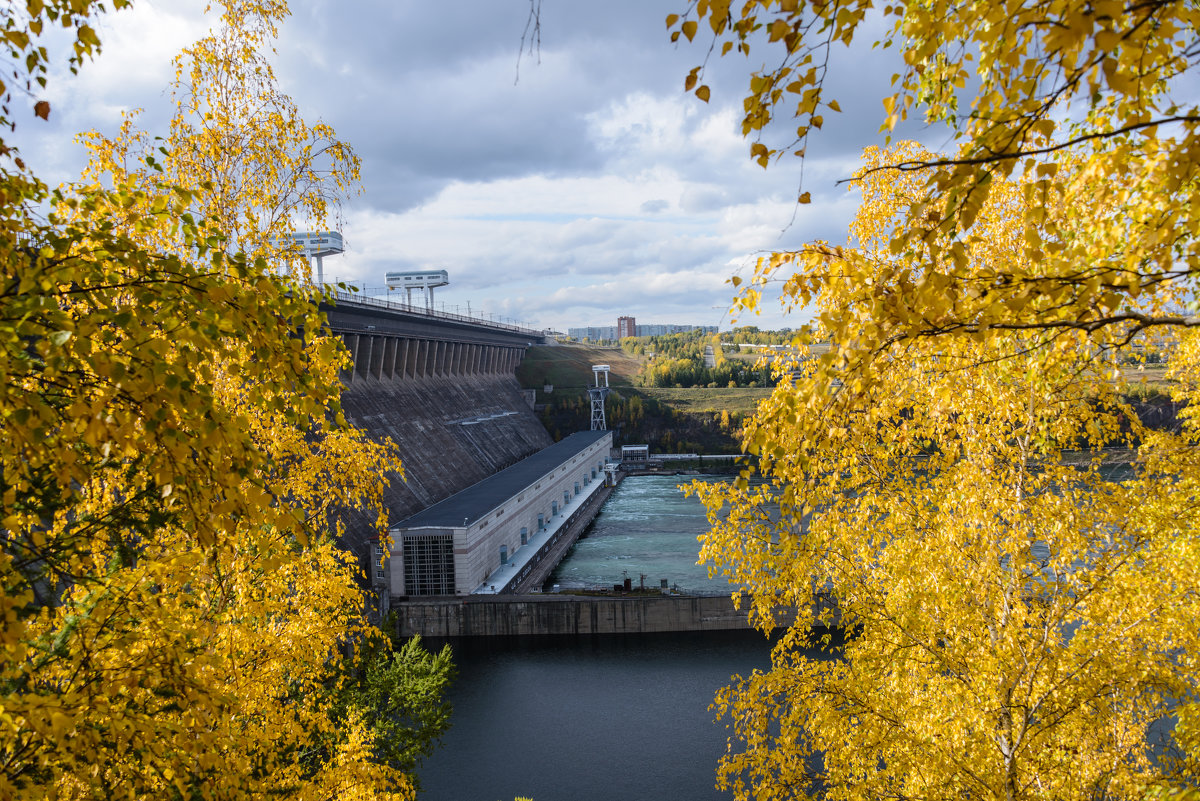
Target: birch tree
{"type": "Point", "coordinates": [177, 614]}
{"type": "Point", "coordinates": [1018, 614]}
{"type": "Point", "coordinates": [1026, 89]}
{"type": "Point", "coordinates": [265, 170]}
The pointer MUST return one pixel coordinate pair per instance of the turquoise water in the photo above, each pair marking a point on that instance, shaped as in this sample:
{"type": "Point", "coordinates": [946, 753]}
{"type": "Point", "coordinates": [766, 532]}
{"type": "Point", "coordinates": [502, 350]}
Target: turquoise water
{"type": "Point", "coordinates": [647, 528]}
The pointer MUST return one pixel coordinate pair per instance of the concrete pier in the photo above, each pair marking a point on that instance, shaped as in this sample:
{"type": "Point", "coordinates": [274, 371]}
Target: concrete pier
{"type": "Point", "coordinates": [534, 572]}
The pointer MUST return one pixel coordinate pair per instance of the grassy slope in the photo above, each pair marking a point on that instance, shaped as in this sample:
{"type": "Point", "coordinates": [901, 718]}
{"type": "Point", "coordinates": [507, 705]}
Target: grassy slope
{"type": "Point", "coordinates": [569, 366]}
{"type": "Point", "coordinates": [688, 423]}
{"type": "Point", "coordinates": [693, 400]}
{"type": "Point", "coordinates": [1153, 376]}
{"type": "Point", "coordinates": [688, 420]}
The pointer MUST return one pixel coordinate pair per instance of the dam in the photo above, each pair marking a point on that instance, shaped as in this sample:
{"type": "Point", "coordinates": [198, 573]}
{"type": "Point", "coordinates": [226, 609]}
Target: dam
{"type": "Point", "coordinates": [488, 501]}
{"type": "Point", "coordinates": [489, 504]}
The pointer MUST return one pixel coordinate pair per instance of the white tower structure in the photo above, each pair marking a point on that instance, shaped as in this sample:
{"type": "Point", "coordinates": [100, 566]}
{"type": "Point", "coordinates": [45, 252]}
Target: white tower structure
{"type": "Point", "coordinates": [314, 245]}
{"type": "Point", "coordinates": [597, 393]}
{"type": "Point", "coordinates": [419, 279]}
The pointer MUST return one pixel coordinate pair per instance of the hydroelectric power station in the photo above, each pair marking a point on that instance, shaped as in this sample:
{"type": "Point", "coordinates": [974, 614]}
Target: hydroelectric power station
{"type": "Point", "coordinates": [488, 504]}
{"type": "Point", "coordinates": [487, 498]}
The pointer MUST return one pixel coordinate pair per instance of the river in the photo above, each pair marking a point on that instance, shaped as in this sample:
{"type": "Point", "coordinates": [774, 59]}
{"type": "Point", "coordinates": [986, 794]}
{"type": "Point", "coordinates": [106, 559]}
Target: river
{"type": "Point", "coordinates": [648, 528]}
{"type": "Point", "coordinates": [589, 719]}
{"type": "Point", "coordinates": [600, 718]}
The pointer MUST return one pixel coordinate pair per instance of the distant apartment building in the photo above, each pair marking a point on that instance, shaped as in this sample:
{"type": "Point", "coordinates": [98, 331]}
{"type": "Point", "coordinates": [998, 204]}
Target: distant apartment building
{"type": "Point", "coordinates": [661, 330]}
{"type": "Point", "coordinates": [593, 333]}
{"type": "Point", "coordinates": [597, 333]}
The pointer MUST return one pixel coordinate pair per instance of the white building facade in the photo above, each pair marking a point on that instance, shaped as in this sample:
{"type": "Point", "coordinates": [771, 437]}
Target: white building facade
{"type": "Point", "coordinates": [462, 544]}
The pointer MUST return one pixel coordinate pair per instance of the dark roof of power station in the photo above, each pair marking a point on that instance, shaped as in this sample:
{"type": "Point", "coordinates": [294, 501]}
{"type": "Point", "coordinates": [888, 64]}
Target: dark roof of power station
{"type": "Point", "coordinates": [474, 502]}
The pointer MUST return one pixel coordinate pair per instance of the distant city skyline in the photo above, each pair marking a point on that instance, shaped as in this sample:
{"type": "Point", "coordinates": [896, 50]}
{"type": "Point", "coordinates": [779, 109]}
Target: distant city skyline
{"type": "Point", "coordinates": [610, 332]}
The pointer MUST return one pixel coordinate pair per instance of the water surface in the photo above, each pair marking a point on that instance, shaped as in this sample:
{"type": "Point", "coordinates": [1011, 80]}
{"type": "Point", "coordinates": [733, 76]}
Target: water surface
{"type": "Point", "coordinates": [589, 718]}
{"type": "Point", "coordinates": [646, 528]}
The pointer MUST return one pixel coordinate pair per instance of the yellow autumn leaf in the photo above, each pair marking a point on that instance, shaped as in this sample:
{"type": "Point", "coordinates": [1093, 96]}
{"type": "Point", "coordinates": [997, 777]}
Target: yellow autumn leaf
{"type": "Point", "coordinates": [174, 422]}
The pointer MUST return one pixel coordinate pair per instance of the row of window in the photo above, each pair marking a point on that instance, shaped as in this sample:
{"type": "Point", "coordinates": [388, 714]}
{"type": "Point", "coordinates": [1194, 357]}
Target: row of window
{"type": "Point", "coordinates": [541, 518]}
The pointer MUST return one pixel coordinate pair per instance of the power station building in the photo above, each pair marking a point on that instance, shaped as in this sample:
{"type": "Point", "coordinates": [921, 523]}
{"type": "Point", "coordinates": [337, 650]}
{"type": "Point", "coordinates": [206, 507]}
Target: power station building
{"type": "Point", "coordinates": [477, 540]}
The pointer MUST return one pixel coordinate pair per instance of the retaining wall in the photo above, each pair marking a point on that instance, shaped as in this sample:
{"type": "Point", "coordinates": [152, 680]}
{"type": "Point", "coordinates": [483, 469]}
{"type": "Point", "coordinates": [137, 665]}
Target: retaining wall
{"type": "Point", "coordinates": [566, 614]}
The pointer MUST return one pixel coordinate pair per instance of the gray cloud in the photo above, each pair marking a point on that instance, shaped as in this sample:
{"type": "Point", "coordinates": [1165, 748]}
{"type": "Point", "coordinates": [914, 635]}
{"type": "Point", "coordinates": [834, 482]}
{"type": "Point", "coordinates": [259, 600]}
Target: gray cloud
{"type": "Point", "coordinates": [590, 187]}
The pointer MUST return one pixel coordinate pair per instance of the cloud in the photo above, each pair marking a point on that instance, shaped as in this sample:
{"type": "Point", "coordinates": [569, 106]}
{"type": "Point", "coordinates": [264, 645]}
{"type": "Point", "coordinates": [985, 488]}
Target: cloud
{"type": "Point", "coordinates": [577, 249]}
{"type": "Point", "coordinates": [131, 72]}
{"type": "Point", "coordinates": [590, 187]}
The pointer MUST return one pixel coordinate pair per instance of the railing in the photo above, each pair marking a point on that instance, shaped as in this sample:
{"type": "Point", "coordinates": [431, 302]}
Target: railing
{"type": "Point", "coordinates": [488, 321]}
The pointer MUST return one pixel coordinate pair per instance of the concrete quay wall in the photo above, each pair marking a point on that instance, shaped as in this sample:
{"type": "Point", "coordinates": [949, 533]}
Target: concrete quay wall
{"type": "Point", "coordinates": [569, 615]}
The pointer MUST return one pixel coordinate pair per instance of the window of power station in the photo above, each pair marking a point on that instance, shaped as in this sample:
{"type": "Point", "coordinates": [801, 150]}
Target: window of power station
{"type": "Point", "coordinates": [377, 557]}
{"type": "Point", "coordinates": [428, 564]}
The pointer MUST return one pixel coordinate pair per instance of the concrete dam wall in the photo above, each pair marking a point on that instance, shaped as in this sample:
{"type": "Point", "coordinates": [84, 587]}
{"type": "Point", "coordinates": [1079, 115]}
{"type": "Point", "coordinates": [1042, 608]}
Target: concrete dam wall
{"type": "Point", "coordinates": [569, 615]}
{"type": "Point", "coordinates": [452, 431]}
{"type": "Point", "coordinates": [442, 390]}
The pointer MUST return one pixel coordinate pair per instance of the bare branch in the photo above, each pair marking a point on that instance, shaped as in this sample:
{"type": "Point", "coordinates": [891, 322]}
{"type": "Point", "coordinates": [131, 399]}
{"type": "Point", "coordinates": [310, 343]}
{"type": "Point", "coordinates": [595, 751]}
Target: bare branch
{"type": "Point", "coordinates": [532, 34]}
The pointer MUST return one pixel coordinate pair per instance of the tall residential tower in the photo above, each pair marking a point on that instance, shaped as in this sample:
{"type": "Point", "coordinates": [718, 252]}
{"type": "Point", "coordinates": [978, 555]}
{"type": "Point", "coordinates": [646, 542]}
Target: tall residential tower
{"type": "Point", "coordinates": [626, 327]}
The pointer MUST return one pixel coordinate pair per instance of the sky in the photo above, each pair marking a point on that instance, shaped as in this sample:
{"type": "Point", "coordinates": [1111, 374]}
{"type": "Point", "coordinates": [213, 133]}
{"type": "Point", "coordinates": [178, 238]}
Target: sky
{"type": "Point", "coordinates": [561, 188]}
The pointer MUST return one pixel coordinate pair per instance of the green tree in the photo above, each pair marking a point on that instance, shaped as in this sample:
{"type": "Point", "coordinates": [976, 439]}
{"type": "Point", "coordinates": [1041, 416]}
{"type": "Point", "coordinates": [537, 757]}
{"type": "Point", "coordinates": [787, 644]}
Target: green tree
{"type": "Point", "coordinates": [1018, 614]}
{"type": "Point", "coordinates": [400, 687]}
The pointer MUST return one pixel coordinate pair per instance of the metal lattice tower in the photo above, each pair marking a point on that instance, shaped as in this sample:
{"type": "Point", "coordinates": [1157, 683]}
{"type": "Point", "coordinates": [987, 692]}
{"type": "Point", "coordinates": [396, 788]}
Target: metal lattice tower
{"type": "Point", "coordinates": [597, 393]}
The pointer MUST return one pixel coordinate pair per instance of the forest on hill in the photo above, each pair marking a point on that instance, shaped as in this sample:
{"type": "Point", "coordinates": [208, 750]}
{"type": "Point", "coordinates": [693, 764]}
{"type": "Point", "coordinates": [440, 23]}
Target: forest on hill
{"type": "Point", "coordinates": [662, 394]}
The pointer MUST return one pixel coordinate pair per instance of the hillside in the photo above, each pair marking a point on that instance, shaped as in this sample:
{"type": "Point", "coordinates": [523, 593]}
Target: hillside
{"type": "Point", "coordinates": [569, 366]}
{"type": "Point", "coordinates": [702, 420]}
